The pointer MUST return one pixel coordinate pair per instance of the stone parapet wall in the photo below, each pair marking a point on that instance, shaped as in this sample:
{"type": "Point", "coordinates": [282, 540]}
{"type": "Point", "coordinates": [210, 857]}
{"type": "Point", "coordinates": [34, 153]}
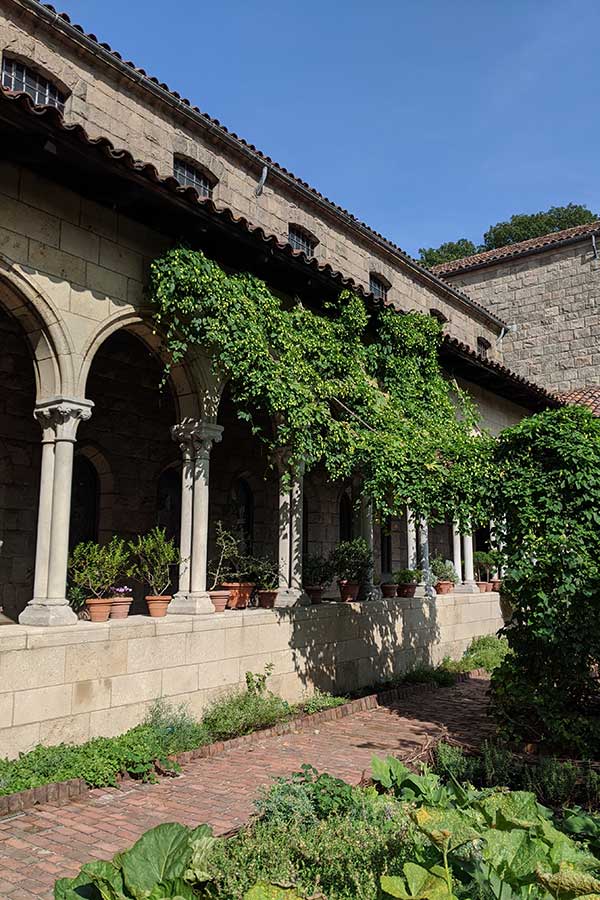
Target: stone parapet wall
{"type": "Point", "coordinates": [72, 684]}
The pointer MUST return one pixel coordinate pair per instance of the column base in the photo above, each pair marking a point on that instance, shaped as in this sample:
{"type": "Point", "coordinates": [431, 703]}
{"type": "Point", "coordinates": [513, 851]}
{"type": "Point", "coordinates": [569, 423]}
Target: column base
{"type": "Point", "coordinates": [287, 597]}
{"type": "Point", "coordinates": [190, 604]}
{"type": "Point", "coordinates": [467, 587]}
{"type": "Point", "coordinates": [48, 614]}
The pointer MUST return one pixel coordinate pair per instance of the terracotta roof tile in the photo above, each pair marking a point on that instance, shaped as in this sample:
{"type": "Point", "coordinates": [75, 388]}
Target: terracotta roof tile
{"type": "Point", "coordinates": [537, 244]}
{"type": "Point", "coordinates": [104, 147]}
{"type": "Point", "coordinates": [586, 396]}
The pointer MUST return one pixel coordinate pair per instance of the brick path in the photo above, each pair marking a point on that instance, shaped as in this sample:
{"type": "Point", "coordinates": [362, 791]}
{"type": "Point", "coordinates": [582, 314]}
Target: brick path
{"type": "Point", "coordinates": [50, 842]}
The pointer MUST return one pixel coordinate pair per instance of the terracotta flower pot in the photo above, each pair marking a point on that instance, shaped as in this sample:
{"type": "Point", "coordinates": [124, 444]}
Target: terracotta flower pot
{"type": "Point", "coordinates": [266, 599]}
{"type": "Point", "coordinates": [388, 590]}
{"type": "Point", "coordinates": [157, 606]}
{"type": "Point", "coordinates": [239, 593]}
{"type": "Point", "coordinates": [348, 590]}
{"type": "Point", "coordinates": [482, 586]}
{"type": "Point", "coordinates": [99, 608]}
{"type": "Point", "coordinates": [444, 587]}
{"type": "Point", "coordinates": [120, 607]}
{"type": "Point", "coordinates": [315, 592]}
{"type": "Point", "coordinates": [496, 583]}
{"type": "Point", "coordinates": [406, 590]}
{"type": "Point", "coordinates": [219, 599]}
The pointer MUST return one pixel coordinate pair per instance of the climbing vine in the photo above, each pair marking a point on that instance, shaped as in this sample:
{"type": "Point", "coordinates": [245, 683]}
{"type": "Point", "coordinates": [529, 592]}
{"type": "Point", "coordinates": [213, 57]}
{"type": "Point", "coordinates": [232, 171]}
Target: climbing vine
{"type": "Point", "coordinates": [353, 388]}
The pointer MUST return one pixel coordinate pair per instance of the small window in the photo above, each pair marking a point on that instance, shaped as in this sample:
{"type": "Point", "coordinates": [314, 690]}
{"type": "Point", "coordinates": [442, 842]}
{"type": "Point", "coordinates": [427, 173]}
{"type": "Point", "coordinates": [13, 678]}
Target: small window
{"type": "Point", "coordinates": [346, 517]}
{"type": "Point", "coordinates": [386, 546]}
{"type": "Point", "coordinates": [300, 239]}
{"type": "Point", "coordinates": [20, 78]}
{"type": "Point", "coordinates": [439, 315]}
{"type": "Point", "coordinates": [378, 287]}
{"type": "Point", "coordinates": [189, 176]}
{"type": "Point", "coordinates": [483, 346]}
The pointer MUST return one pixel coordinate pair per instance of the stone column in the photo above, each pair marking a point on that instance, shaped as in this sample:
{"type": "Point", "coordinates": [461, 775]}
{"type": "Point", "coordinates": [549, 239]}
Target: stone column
{"type": "Point", "coordinates": [291, 494]}
{"type": "Point", "coordinates": [195, 439]}
{"type": "Point", "coordinates": [412, 558]}
{"type": "Point", "coordinates": [457, 551]}
{"type": "Point", "coordinates": [368, 591]}
{"type": "Point", "coordinates": [59, 419]}
{"type": "Point", "coordinates": [469, 585]}
{"type": "Point", "coordinates": [429, 590]}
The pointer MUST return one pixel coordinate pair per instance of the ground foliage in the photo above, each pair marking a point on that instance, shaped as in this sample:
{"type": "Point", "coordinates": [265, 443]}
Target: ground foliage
{"type": "Point", "coordinates": [355, 387]}
{"type": "Point", "coordinates": [548, 496]}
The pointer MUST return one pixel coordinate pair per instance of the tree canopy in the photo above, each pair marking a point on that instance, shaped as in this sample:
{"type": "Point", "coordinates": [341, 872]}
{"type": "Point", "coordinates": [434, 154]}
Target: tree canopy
{"type": "Point", "coordinates": [520, 227]}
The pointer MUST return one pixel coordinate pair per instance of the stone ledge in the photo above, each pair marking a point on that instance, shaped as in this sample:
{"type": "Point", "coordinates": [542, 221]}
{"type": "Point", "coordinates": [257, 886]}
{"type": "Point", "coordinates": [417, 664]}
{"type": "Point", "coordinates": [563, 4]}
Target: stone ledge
{"type": "Point", "coordinates": [60, 792]}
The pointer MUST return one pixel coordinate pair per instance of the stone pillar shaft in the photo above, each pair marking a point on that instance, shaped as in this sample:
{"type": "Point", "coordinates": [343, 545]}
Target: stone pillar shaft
{"type": "Point", "coordinates": [412, 558]}
{"type": "Point", "coordinates": [59, 419]}
{"type": "Point", "coordinates": [469, 582]}
{"type": "Point", "coordinates": [457, 551]}
{"type": "Point", "coordinates": [291, 493]}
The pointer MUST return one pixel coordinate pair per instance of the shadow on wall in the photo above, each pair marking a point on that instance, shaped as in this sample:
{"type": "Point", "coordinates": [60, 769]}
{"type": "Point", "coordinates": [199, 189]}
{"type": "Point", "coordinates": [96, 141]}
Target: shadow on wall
{"type": "Point", "coordinates": [343, 647]}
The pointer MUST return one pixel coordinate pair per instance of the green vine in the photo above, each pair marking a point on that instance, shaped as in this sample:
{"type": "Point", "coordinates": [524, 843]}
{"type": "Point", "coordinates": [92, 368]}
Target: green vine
{"type": "Point", "coordinates": [356, 389]}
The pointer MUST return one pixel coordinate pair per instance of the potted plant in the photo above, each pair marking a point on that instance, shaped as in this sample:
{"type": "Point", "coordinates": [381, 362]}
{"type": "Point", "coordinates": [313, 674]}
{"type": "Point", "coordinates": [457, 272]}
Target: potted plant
{"type": "Point", "coordinates": [153, 555]}
{"type": "Point", "coordinates": [265, 573]}
{"type": "Point", "coordinates": [388, 588]}
{"type": "Point", "coordinates": [95, 568]}
{"type": "Point", "coordinates": [443, 575]}
{"type": "Point", "coordinates": [234, 570]}
{"type": "Point", "coordinates": [352, 562]}
{"type": "Point", "coordinates": [482, 563]}
{"type": "Point", "coordinates": [317, 571]}
{"type": "Point", "coordinates": [496, 563]}
{"type": "Point", "coordinates": [228, 549]}
{"type": "Point", "coordinates": [121, 601]}
{"type": "Point", "coordinates": [406, 581]}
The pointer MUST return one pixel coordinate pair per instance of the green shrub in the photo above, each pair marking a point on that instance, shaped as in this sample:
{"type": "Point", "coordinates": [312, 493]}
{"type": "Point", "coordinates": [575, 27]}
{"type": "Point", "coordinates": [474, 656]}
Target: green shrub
{"type": "Point", "coordinates": [321, 700]}
{"type": "Point", "coordinates": [428, 675]}
{"type": "Point", "coordinates": [485, 652]}
{"type": "Point", "coordinates": [241, 712]}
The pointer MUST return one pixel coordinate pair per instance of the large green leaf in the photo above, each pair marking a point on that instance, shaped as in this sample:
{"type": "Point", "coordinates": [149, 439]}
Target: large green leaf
{"type": "Point", "coordinates": [513, 855]}
{"type": "Point", "coordinates": [174, 890]}
{"type": "Point", "coordinates": [265, 891]}
{"type": "Point", "coordinates": [568, 881]}
{"type": "Point", "coordinates": [79, 888]}
{"type": "Point", "coordinates": [201, 843]}
{"type": "Point", "coordinates": [513, 809]}
{"type": "Point", "coordinates": [446, 827]}
{"type": "Point", "coordinates": [420, 883]}
{"type": "Point", "coordinates": [161, 855]}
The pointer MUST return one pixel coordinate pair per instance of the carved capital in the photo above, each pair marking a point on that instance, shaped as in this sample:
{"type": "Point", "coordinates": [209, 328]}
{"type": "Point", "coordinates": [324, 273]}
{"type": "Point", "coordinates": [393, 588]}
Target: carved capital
{"type": "Point", "coordinates": [59, 417]}
{"type": "Point", "coordinates": [196, 437]}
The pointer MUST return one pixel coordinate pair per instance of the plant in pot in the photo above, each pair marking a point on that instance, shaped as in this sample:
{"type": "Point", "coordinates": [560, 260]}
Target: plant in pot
{"type": "Point", "coordinates": [496, 564]}
{"type": "Point", "coordinates": [121, 601]}
{"type": "Point", "coordinates": [265, 573]}
{"type": "Point", "coordinates": [153, 556]}
{"type": "Point", "coordinates": [218, 568]}
{"type": "Point", "coordinates": [234, 570]}
{"type": "Point", "coordinates": [482, 563]}
{"type": "Point", "coordinates": [352, 562]}
{"type": "Point", "coordinates": [443, 575]}
{"type": "Point", "coordinates": [95, 568]}
{"type": "Point", "coordinates": [317, 571]}
{"type": "Point", "coordinates": [406, 581]}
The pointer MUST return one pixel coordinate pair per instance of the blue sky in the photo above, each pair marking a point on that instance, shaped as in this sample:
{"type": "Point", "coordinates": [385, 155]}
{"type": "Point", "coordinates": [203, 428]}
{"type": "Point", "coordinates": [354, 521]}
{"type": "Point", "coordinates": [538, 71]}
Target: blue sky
{"type": "Point", "coordinates": [427, 120]}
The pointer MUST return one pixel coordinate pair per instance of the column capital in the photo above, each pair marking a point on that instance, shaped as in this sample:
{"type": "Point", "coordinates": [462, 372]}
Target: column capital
{"type": "Point", "coordinates": [59, 417]}
{"type": "Point", "coordinates": [196, 437]}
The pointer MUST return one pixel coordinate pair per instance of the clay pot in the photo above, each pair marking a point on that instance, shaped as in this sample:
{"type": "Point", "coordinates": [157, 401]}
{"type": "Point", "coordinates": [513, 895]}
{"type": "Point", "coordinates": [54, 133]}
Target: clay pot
{"type": "Point", "coordinates": [239, 593]}
{"type": "Point", "coordinates": [496, 583]}
{"type": "Point", "coordinates": [157, 606]}
{"type": "Point", "coordinates": [219, 599]}
{"type": "Point", "coordinates": [488, 586]}
{"type": "Point", "coordinates": [120, 607]}
{"type": "Point", "coordinates": [348, 591]}
{"type": "Point", "coordinates": [444, 587]}
{"type": "Point", "coordinates": [315, 592]}
{"type": "Point", "coordinates": [482, 586]}
{"type": "Point", "coordinates": [266, 599]}
{"type": "Point", "coordinates": [388, 591]}
{"type": "Point", "coordinates": [406, 590]}
{"type": "Point", "coordinates": [99, 608]}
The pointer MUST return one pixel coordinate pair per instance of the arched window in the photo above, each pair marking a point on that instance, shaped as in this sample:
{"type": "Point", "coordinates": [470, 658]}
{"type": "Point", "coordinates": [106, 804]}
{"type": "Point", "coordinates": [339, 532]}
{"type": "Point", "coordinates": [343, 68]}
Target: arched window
{"type": "Point", "coordinates": [168, 512]}
{"type": "Point", "coordinates": [85, 499]}
{"type": "Point", "coordinates": [190, 175]}
{"type": "Point", "coordinates": [385, 536]}
{"type": "Point", "coordinates": [18, 77]}
{"type": "Point", "coordinates": [378, 286]}
{"type": "Point", "coordinates": [245, 514]}
{"type": "Point", "coordinates": [301, 239]}
{"type": "Point", "coordinates": [346, 514]}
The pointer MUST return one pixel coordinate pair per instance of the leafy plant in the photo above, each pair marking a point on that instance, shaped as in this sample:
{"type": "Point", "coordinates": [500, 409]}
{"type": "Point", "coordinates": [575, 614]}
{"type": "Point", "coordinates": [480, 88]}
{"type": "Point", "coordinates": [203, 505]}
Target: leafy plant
{"type": "Point", "coordinates": [321, 700]}
{"type": "Point", "coordinates": [484, 563]}
{"type": "Point", "coordinates": [317, 571]}
{"type": "Point", "coordinates": [485, 652]}
{"type": "Point", "coordinates": [263, 572]}
{"type": "Point", "coordinates": [153, 556]}
{"type": "Point", "coordinates": [407, 576]}
{"type": "Point", "coordinates": [230, 564]}
{"type": "Point", "coordinates": [442, 570]}
{"type": "Point", "coordinates": [352, 560]}
{"type": "Point", "coordinates": [256, 682]}
{"type": "Point", "coordinates": [95, 568]}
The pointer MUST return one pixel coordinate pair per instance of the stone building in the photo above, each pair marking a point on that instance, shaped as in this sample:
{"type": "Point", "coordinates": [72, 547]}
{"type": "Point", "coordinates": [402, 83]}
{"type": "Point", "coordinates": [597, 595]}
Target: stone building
{"type": "Point", "coordinates": [547, 290]}
{"type": "Point", "coordinates": [101, 169]}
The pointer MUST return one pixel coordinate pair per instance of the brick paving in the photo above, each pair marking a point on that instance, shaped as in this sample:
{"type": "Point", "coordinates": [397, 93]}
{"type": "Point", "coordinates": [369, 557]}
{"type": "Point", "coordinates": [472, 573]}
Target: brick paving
{"type": "Point", "coordinates": [51, 841]}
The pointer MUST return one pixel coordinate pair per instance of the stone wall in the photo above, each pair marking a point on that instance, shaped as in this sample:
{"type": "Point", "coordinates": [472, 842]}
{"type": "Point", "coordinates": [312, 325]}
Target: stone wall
{"type": "Point", "coordinates": [88, 680]}
{"type": "Point", "coordinates": [107, 103]}
{"type": "Point", "coordinates": [553, 298]}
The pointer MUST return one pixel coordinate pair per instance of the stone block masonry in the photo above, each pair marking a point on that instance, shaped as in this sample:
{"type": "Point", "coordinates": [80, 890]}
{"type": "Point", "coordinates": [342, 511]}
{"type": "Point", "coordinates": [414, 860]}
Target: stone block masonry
{"type": "Point", "coordinates": [72, 684]}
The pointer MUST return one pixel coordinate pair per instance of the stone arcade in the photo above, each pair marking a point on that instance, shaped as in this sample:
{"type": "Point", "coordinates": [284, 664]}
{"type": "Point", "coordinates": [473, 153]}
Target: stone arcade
{"type": "Point", "coordinates": [90, 446]}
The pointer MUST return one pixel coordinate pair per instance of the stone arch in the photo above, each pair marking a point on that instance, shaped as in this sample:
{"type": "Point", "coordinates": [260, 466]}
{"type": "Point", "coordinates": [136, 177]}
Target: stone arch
{"type": "Point", "coordinates": [190, 392]}
{"type": "Point", "coordinates": [50, 346]}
